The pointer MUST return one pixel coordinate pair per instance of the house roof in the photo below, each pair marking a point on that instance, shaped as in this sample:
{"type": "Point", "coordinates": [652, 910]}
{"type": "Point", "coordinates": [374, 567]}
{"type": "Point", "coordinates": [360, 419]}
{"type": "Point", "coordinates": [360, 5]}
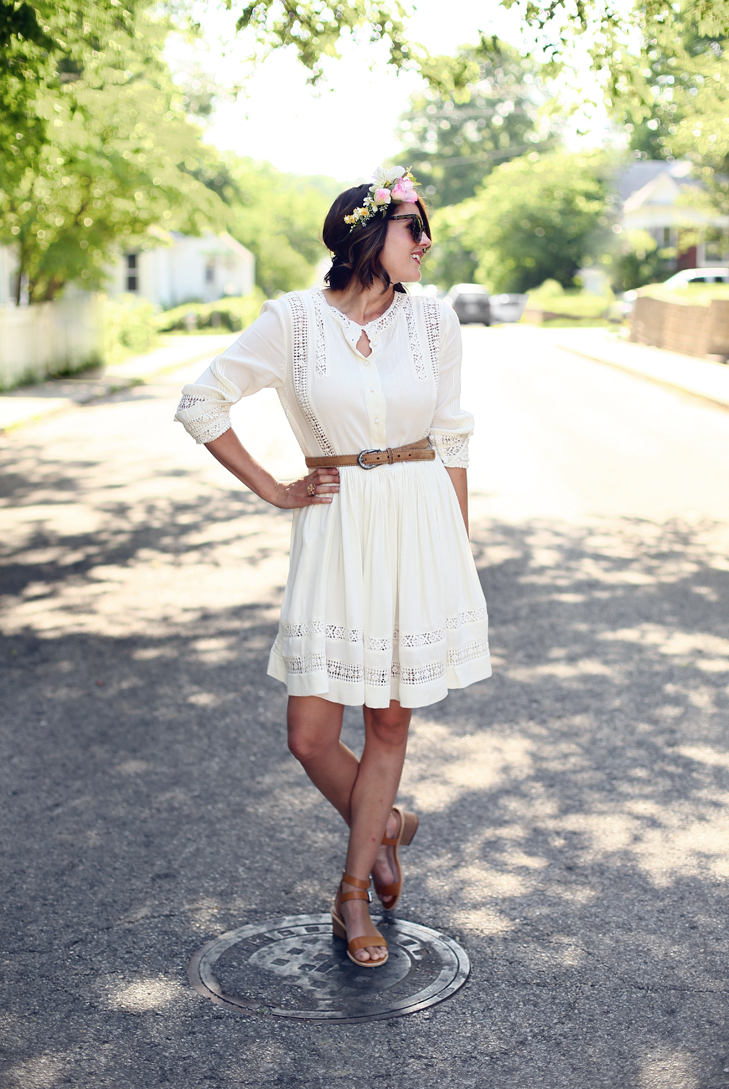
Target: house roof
{"type": "Point", "coordinates": [641, 173]}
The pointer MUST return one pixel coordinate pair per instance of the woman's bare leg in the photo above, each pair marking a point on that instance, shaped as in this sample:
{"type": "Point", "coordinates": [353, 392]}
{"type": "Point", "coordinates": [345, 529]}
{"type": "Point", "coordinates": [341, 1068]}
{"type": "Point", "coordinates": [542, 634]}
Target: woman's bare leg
{"type": "Point", "coordinates": [363, 792]}
{"type": "Point", "coordinates": [380, 768]}
{"type": "Point", "coordinates": [315, 726]}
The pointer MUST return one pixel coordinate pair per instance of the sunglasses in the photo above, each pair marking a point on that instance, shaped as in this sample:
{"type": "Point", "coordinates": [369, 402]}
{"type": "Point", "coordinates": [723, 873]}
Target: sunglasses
{"type": "Point", "coordinates": [416, 225]}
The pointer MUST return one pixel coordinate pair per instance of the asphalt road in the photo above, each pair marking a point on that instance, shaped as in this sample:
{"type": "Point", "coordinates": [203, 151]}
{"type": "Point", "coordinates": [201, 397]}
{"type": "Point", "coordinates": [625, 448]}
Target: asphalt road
{"type": "Point", "coordinates": [575, 829]}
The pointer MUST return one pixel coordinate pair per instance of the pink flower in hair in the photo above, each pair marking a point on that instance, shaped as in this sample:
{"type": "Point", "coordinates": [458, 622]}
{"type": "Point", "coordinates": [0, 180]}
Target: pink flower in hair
{"type": "Point", "coordinates": [404, 192]}
{"type": "Point", "coordinates": [381, 196]}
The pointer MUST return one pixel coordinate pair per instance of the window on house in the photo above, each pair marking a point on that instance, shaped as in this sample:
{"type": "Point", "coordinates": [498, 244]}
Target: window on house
{"type": "Point", "coordinates": [131, 263]}
{"type": "Point", "coordinates": [666, 236]}
{"type": "Point", "coordinates": [210, 271]}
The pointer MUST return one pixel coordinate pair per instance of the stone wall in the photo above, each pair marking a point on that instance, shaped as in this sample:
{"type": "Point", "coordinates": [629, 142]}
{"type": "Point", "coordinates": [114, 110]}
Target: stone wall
{"type": "Point", "coordinates": [691, 330]}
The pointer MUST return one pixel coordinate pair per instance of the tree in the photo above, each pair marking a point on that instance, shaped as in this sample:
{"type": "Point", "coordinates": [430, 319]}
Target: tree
{"type": "Point", "coordinates": [454, 140]}
{"type": "Point", "coordinates": [664, 67]}
{"type": "Point", "coordinates": [117, 156]}
{"type": "Point", "coordinates": [315, 28]}
{"type": "Point", "coordinates": [45, 44]}
{"type": "Point", "coordinates": [537, 217]}
{"type": "Point", "coordinates": [278, 216]}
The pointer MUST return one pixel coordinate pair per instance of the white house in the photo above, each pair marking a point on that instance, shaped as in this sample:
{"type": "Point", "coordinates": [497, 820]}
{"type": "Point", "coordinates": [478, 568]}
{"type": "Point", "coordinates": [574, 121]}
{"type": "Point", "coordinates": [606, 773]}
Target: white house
{"type": "Point", "coordinates": [183, 269]}
{"type": "Point", "coordinates": [656, 197]}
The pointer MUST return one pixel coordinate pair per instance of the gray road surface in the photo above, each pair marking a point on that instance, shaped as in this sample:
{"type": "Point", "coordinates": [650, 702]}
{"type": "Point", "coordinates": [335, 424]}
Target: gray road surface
{"type": "Point", "coordinates": [575, 828]}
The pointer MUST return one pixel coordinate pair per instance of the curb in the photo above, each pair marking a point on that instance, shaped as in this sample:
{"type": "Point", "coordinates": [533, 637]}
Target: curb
{"type": "Point", "coordinates": [694, 377]}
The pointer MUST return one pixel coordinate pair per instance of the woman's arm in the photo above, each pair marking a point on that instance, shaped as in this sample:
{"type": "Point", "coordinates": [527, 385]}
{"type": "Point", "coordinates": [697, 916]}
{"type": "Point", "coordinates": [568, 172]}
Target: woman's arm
{"type": "Point", "coordinates": [231, 453]}
{"type": "Point", "coordinates": [459, 480]}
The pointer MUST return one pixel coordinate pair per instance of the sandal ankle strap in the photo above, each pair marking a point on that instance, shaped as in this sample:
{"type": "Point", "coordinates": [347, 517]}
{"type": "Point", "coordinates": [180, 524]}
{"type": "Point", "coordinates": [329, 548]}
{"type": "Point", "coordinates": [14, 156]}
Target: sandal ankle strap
{"type": "Point", "coordinates": [357, 882]}
{"type": "Point", "coordinates": [356, 894]}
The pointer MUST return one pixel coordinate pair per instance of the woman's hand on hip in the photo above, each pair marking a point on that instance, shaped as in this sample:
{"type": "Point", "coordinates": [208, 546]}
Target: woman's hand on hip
{"type": "Point", "coordinates": [318, 487]}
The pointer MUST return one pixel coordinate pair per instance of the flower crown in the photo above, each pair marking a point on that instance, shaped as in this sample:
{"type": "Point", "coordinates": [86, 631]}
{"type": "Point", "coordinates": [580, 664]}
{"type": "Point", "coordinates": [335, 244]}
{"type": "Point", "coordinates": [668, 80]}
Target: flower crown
{"type": "Point", "coordinates": [390, 184]}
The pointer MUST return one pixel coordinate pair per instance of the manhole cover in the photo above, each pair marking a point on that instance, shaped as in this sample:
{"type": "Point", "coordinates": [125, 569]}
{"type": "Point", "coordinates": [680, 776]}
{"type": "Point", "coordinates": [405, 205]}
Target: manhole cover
{"type": "Point", "coordinates": [294, 967]}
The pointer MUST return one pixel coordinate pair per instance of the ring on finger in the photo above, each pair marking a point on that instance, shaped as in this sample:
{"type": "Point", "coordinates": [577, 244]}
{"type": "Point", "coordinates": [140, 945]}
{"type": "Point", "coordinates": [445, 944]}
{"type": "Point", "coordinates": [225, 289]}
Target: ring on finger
{"type": "Point", "coordinates": [311, 490]}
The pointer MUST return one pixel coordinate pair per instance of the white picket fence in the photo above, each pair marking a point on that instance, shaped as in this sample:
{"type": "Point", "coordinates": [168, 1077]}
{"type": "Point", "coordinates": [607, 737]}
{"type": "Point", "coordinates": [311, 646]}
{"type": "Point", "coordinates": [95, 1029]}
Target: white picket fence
{"type": "Point", "coordinates": [50, 338]}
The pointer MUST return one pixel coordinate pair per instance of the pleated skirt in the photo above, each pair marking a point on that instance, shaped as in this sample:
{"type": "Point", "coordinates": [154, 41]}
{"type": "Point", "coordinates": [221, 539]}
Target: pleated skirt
{"type": "Point", "coordinates": [383, 600]}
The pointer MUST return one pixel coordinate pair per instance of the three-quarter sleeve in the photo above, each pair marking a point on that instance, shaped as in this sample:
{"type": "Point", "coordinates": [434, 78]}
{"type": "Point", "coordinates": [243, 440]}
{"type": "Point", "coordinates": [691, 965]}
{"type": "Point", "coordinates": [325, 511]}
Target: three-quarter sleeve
{"type": "Point", "coordinates": [452, 426]}
{"type": "Point", "coordinates": [257, 360]}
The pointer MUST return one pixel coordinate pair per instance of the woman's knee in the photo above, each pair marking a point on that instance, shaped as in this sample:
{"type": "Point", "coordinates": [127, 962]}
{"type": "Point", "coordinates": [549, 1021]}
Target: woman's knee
{"type": "Point", "coordinates": [310, 734]}
{"type": "Point", "coordinates": [304, 743]}
{"type": "Point", "coordinates": [390, 724]}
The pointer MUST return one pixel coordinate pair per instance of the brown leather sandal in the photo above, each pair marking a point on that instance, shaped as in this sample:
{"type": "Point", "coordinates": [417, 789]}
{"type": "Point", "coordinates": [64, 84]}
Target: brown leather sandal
{"type": "Point", "coordinates": [408, 828]}
{"type": "Point", "coordinates": [339, 927]}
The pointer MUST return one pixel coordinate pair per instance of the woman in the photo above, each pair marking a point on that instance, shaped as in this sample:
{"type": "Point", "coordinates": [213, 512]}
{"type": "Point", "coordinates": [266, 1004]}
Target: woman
{"type": "Point", "coordinates": [382, 608]}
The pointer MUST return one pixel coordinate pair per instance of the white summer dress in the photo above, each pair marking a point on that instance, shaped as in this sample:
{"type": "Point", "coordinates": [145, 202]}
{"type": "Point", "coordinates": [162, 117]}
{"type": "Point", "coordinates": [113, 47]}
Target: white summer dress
{"type": "Point", "coordinates": [382, 600]}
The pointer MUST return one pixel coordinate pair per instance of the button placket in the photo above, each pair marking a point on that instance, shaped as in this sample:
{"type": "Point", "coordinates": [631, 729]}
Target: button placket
{"type": "Point", "coordinates": [375, 402]}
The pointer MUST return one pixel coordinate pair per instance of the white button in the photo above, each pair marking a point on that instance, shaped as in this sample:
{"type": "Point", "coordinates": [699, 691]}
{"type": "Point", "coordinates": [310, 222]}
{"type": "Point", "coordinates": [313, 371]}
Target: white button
{"type": "Point", "coordinates": [372, 389]}
{"type": "Point", "coordinates": [376, 420]}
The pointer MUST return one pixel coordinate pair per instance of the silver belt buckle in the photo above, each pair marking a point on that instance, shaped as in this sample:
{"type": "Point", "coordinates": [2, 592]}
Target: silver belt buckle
{"type": "Point", "coordinates": [362, 454]}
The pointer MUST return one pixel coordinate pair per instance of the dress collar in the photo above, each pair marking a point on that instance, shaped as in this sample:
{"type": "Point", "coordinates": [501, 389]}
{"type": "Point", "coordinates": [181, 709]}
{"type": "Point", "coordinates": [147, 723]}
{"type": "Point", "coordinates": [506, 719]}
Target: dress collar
{"type": "Point", "coordinates": [372, 328]}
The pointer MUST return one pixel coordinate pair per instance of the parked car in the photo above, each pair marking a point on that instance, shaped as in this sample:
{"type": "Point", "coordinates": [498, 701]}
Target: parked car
{"type": "Point", "coordinates": [697, 276]}
{"type": "Point", "coordinates": [471, 303]}
{"type": "Point", "coordinates": [718, 275]}
{"type": "Point", "coordinates": [507, 307]}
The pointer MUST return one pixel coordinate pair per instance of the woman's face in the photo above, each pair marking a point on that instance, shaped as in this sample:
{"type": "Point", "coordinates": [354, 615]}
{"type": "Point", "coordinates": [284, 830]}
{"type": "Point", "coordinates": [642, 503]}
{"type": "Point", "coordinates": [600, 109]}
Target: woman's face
{"type": "Point", "coordinates": [401, 254]}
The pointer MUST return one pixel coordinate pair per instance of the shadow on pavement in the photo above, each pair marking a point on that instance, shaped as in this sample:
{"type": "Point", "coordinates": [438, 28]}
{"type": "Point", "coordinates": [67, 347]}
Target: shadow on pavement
{"type": "Point", "coordinates": [574, 824]}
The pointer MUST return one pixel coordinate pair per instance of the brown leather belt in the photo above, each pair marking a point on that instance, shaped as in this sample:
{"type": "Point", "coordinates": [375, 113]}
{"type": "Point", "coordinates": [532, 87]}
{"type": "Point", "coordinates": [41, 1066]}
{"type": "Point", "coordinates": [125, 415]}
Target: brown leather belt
{"type": "Point", "coordinates": [370, 459]}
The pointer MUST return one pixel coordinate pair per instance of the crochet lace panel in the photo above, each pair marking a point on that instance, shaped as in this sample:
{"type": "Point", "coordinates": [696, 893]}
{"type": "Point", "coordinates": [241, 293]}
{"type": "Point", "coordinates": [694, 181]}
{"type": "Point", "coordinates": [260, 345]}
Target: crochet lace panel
{"type": "Point", "coordinates": [357, 672]}
{"type": "Point", "coordinates": [431, 312]}
{"type": "Point", "coordinates": [301, 373]}
{"type": "Point", "coordinates": [378, 325]}
{"type": "Point", "coordinates": [452, 449]}
{"type": "Point", "coordinates": [385, 320]}
{"type": "Point", "coordinates": [208, 426]}
{"type": "Point", "coordinates": [189, 402]}
{"type": "Point", "coordinates": [415, 349]}
{"type": "Point", "coordinates": [321, 350]}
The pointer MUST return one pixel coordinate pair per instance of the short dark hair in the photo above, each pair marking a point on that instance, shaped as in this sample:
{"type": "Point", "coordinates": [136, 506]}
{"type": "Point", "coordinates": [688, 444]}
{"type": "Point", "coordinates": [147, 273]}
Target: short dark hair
{"type": "Point", "coordinates": [357, 252]}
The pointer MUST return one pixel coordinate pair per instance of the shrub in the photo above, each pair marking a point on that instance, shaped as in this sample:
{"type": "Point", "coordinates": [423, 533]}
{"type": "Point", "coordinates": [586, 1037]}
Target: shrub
{"type": "Point", "coordinates": [234, 313]}
{"type": "Point", "coordinates": [130, 325]}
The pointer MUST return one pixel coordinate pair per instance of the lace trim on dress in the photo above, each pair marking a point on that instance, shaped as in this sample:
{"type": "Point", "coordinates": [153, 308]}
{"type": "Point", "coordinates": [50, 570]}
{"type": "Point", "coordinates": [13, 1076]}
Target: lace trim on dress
{"type": "Point", "coordinates": [385, 320]}
{"type": "Point", "coordinates": [208, 426]}
{"type": "Point", "coordinates": [354, 672]}
{"type": "Point", "coordinates": [188, 402]}
{"type": "Point", "coordinates": [469, 653]}
{"type": "Point", "coordinates": [452, 449]}
{"type": "Point", "coordinates": [301, 372]}
{"type": "Point", "coordinates": [426, 639]}
{"type": "Point", "coordinates": [318, 627]}
{"type": "Point", "coordinates": [472, 616]}
{"type": "Point", "coordinates": [422, 674]}
{"type": "Point", "coordinates": [321, 350]}
{"type": "Point", "coordinates": [377, 325]}
{"type": "Point", "coordinates": [414, 340]}
{"type": "Point", "coordinates": [431, 312]}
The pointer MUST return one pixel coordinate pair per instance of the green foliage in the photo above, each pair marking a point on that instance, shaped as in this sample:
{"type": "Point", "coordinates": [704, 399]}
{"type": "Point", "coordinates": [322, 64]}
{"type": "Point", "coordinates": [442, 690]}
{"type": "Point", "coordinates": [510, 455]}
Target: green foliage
{"type": "Point", "coordinates": [690, 295]}
{"type": "Point", "coordinates": [314, 28]}
{"type": "Point", "coordinates": [549, 291]}
{"type": "Point", "coordinates": [234, 313]}
{"type": "Point", "coordinates": [130, 325]}
{"type": "Point", "coordinates": [115, 156]}
{"type": "Point", "coordinates": [665, 68]}
{"type": "Point", "coordinates": [453, 141]}
{"type": "Point", "coordinates": [278, 217]}
{"type": "Point", "coordinates": [534, 218]}
{"type": "Point", "coordinates": [640, 261]}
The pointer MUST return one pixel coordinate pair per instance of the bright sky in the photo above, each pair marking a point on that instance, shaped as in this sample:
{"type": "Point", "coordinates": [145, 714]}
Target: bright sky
{"type": "Point", "coordinates": [345, 128]}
